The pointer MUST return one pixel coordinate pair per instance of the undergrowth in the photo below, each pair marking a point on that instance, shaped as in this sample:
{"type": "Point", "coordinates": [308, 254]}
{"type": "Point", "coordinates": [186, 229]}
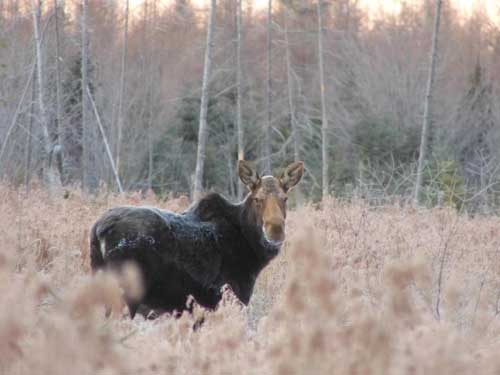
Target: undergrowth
{"type": "Point", "coordinates": [356, 290]}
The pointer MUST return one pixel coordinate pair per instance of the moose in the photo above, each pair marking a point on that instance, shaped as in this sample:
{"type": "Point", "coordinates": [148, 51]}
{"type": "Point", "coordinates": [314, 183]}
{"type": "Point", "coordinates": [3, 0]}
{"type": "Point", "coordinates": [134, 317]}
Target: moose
{"type": "Point", "coordinates": [212, 244]}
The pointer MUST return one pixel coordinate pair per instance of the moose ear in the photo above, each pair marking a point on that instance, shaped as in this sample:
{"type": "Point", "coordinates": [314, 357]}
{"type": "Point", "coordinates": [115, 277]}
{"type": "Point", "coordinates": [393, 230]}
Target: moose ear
{"type": "Point", "coordinates": [292, 175]}
{"type": "Point", "coordinates": [248, 174]}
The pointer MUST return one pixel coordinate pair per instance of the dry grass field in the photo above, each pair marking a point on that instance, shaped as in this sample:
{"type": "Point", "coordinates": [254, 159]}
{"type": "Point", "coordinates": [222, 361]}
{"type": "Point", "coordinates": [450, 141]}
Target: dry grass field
{"type": "Point", "coordinates": [356, 290]}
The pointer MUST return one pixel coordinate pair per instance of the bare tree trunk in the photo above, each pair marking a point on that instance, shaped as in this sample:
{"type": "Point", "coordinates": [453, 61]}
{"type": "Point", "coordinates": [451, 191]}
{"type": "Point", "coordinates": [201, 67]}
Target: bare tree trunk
{"type": "Point", "coordinates": [151, 99]}
{"type": "Point", "coordinates": [150, 149]}
{"type": "Point", "coordinates": [27, 168]}
{"type": "Point", "coordinates": [427, 104]}
{"type": "Point", "coordinates": [86, 138]}
{"type": "Point", "coordinates": [52, 179]}
{"type": "Point", "coordinates": [121, 93]}
{"type": "Point", "coordinates": [203, 130]}
{"type": "Point", "coordinates": [291, 107]}
{"type": "Point", "coordinates": [59, 153]}
{"type": "Point", "coordinates": [324, 118]}
{"type": "Point", "coordinates": [230, 163]}
{"type": "Point", "coordinates": [267, 131]}
{"type": "Point", "coordinates": [239, 124]}
{"type": "Point", "coordinates": [105, 140]}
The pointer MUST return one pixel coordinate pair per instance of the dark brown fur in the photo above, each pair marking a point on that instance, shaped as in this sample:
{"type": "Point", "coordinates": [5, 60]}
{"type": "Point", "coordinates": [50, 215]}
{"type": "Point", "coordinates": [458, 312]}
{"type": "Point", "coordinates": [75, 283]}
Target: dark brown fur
{"type": "Point", "coordinates": [195, 253]}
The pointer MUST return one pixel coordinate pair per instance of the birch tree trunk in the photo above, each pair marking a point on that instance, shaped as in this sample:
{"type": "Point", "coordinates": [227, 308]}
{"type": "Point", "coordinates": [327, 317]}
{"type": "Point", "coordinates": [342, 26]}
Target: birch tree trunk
{"type": "Point", "coordinates": [58, 153]}
{"type": "Point", "coordinates": [27, 168]}
{"type": "Point", "coordinates": [291, 106]}
{"type": "Point", "coordinates": [324, 118]}
{"type": "Point", "coordinates": [51, 177]}
{"type": "Point", "coordinates": [86, 157]}
{"type": "Point", "coordinates": [203, 130]}
{"type": "Point", "coordinates": [269, 87]}
{"type": "Point", "coordinates": [150, 141]}
{"type": "Point", "coordinates": [427, 104]}
{"type": "Point", "coordinates": [151, 97]}
{"type": "Point", "coordinates": [121, 93]}
{"type": "Point", "coordinates": [230, 163]}
{"type": "Point", "coordinates": [239, 97]}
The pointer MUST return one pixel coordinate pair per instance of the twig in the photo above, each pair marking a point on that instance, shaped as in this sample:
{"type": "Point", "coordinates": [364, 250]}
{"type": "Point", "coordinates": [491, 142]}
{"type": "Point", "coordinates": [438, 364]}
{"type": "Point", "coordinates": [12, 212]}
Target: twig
{"type": "Point", "coordinates": [105, 139]}
{"type": "Point", "coordinates": [441, 269]}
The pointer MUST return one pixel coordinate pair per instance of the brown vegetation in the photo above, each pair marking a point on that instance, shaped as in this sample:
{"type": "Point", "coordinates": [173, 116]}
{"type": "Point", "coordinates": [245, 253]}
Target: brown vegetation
{"type": "Point", "coordinates": [356, 290]}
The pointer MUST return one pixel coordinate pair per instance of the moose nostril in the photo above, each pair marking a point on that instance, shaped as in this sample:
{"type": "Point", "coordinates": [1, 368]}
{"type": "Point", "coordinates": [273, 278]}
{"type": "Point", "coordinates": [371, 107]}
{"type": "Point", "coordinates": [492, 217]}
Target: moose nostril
{"type": "Point", "coordinates": [275, 232]}
{"type": "Point", "coordinates": [277, 229]}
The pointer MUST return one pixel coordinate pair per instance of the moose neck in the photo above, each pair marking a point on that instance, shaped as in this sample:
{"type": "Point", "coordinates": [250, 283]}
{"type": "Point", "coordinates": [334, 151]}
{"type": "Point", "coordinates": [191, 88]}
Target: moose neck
{"type": "Point", "coordinates": [242, 216]}
{"type": "Point", "coordinates": [254, 234]}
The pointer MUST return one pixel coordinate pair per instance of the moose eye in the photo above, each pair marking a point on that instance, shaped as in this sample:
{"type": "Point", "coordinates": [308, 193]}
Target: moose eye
{"type": "Point", "coordinates": [285, 199]}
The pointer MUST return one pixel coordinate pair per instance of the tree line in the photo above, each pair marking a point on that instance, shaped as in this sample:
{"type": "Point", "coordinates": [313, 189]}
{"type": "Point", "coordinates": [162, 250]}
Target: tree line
{"type": "Point", "coordinates": [168, 96]}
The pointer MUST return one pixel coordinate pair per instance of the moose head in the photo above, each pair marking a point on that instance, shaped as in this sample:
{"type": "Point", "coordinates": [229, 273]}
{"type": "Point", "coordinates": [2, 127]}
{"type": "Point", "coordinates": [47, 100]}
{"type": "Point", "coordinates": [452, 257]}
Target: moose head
{"type": "Point", "coordinates": [268, 196]}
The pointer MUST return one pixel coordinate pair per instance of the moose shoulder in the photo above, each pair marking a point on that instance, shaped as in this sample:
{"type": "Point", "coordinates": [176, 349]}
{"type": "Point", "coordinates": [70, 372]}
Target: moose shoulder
{"type": "Point", "coordinates": [195, 253]}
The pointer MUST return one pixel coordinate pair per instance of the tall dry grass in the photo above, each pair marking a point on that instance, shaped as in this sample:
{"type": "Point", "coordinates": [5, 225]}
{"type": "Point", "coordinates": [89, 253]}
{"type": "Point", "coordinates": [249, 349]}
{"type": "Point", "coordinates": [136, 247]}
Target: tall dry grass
{"type": "Point", "coordinates": [356, 290]}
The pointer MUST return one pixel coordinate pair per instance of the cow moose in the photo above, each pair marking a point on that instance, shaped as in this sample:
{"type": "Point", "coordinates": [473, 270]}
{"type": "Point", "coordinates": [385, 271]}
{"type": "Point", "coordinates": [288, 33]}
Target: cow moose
{"type": "Point", "coordinates": [212, 244]}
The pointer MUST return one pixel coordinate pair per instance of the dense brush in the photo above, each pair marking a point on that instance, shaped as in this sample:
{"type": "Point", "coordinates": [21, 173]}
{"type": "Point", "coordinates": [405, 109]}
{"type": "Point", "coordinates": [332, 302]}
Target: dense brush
{"type": "Point", "coordinates": [356, 290]}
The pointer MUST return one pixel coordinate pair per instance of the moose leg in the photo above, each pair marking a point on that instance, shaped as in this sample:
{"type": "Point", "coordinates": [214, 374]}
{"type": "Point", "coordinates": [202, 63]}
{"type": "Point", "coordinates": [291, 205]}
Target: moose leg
{"type": "Point", "coordinates": [198, 323]}
{"type": "Point", "coordinates": [132, 308]}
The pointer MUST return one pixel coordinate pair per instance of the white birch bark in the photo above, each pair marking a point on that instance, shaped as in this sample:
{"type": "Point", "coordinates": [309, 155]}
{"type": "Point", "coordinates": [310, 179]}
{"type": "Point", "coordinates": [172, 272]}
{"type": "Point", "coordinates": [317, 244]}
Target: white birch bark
{"type": "Point", "coordinates": [28, 151]}
{"type": "Point", "coordinates": [269, 87]}
{"type": "Point", "coordinates": [86, 173]}
{"type": "Point", "coordinates": [427, 104]}
{"type": "Point", "coordinates": [324, 117]}
{"type": "Point", "coordinates": [121, 93]}
{"type": "Point", "coordinates": [291, 106]}
{"type": "Point", "coordinates": [58, 73]}
{"type": "Point", "coordinates": [239, 98]}
{"type": "Point", "coordinates": [203, 130]}
{"type": "Point", "coordinates": [58, 155]}
{"type": "Point", "coordinates": [151, 97]}
{"type": "Point", "coordinates": [52, 178]}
